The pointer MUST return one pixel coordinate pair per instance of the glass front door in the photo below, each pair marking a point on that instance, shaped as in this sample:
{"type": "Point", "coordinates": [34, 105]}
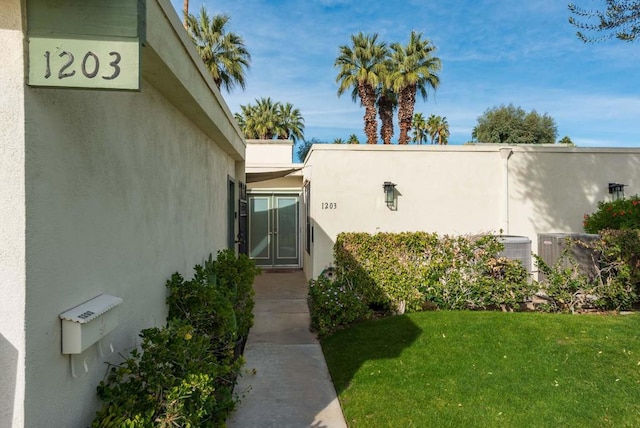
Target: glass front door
{"type": "Point", "coordinates": [273, 229]}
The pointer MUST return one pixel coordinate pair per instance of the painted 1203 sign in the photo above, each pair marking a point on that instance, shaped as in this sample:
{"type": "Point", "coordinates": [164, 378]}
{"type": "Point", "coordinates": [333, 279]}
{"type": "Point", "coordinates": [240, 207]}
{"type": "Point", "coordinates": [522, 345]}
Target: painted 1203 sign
{"type": "Point", "coordinates": [97, 64]}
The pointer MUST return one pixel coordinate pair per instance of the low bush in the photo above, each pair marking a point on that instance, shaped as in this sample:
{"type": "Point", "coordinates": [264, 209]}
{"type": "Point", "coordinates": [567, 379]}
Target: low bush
{"type": "Point", "coordinates": [333, 305]}
{"type": "Point", "coordinates": [174, 380]}
{"type": "Point", "coordinates": [407, 270]}
{"type": "Point", "coordinates": [613, 284]}
{"type": "Point", "coordinates": [185, 372]}
{"type": "Point", "coordinates": [620, 214]}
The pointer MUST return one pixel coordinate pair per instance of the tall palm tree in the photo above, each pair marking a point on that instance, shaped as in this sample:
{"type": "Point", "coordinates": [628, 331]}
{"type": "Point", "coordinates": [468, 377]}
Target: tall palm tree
{"type": "Point", "coordinates": [360, 69]}
{"type": "Point", "coordinates": [267, 120]}
{"type": "Point", "coordinates": [414, 71]}
{"type": "Point", "coordinates": [291, 123]}
{"type": "Point", "coordinates": [387, 102]}
{"type": "Point", "coordinates": [185, 13]}
{"type": "Point", "coordinates": [432, 126]}
{"type": "Point", "coordinates": [224, 54]}
{"type": "Point", "coordinates": [419, 126]}
{"type": "Point", "coordinates": [442, 131]}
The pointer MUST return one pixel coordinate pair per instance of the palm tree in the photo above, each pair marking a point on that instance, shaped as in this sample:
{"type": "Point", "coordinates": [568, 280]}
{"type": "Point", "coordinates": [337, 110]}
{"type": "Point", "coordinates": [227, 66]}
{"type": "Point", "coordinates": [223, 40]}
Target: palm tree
{"type": "Point", "coordinates": [353, 139]}
{"type": "Point", "coordinates": [224, 54]}
{"type": "Point", "coordinates": [291, 122]}
{"type": "Point", "coordinates": [419, 126]}
{"type": "Point", "coordinates": [414, 70]}
{"type": "Point", "coordinates": [442, 131]}
{"type": "Point", "coordinates": [185, 13]}
{"type": "Point", "coordinates": [361, 67]}
{"type": "Point", "coordinates": [339, 141]}
{"type": "Point", "coordinates": [432, 126]}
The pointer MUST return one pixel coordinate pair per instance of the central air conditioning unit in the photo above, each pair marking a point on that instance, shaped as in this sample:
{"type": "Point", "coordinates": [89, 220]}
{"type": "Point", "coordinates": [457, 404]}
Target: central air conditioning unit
{"type": "Point", "coordinates": [516, 248]}
{"type": "Point", "coordinates": [551, 246]}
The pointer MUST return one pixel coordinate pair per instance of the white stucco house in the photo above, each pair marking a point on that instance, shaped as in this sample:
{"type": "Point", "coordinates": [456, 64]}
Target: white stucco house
{"type": "Point", "coordinates": [520, 190]}
{"type": "Point", "coordinates": [104, 192]}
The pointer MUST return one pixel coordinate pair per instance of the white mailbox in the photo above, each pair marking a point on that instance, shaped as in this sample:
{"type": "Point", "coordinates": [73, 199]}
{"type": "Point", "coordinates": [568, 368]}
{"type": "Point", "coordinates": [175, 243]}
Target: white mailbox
{"type": "Point", "coordinates": [89, 322]}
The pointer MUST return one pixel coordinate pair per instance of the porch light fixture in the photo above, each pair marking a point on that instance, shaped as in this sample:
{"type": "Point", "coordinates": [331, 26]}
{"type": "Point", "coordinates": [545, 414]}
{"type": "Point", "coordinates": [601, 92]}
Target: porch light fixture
{"type": "Point", "coordinates": [616, 190]}
{"type": "Point", "coordinates": [389, 193]}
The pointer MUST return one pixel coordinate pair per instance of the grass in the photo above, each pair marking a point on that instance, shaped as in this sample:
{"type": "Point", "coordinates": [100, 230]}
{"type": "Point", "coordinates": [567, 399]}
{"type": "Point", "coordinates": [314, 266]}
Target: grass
{"type": "Point", "coordinates": [488, 369]}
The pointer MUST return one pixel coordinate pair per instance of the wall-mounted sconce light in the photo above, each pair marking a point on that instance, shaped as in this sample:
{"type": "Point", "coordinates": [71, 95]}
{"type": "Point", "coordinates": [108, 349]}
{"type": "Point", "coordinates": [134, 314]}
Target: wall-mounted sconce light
{"type": "Point", "coordinates": [616, 190]}
{"type": "Point", "coordinates": [389, 193]}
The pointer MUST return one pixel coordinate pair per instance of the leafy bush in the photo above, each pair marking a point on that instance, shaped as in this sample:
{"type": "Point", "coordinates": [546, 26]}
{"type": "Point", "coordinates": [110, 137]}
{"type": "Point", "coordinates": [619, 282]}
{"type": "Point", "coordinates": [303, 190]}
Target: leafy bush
{"type": "Point", "coordinates": [613, 285]}
{"type": "Point", "coordinates": [185, 372]}
{"type": "Point", "coordinates": [334, 305]}
{"type": "Point", "coordinates": [174, 380]}
{"type": "Point", "coordinates": [620, 214]}
{"type": "Point", "coordinates": [236, 274]}
{"type": "Point", "coordinates": [409, 269]}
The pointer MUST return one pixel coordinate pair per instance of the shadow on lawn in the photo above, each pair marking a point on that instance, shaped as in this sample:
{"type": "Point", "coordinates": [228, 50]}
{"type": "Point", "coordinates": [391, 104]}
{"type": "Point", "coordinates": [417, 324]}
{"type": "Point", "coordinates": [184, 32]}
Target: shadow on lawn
{"type": "Point", "coordinates": [347, 351]}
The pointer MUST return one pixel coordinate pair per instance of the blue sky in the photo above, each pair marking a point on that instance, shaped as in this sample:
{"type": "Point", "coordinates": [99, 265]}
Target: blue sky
{"type": "Point", "coordinates": [493, 52]}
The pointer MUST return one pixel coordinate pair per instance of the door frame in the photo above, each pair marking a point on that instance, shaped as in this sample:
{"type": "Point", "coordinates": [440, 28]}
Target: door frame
{"type": "Point", "coordinates": [273, 193]}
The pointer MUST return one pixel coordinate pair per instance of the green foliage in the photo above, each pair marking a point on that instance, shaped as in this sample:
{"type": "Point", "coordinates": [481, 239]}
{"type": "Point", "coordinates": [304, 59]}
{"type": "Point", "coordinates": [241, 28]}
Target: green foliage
{"type": "Point", "coordinates": [512, 125]}
{"type": "Point", "coordinates": [184, 373]}
{"type": "Point", "coordinates": [267, 120]}
{"type": "Point", "coordinates": [333, 305]}
{"type": "Point", "coordinates": [620, 20]}
{"type": "Point", "coordinates": [409, 270]}
{"type": "Point", "coordinates": [175, 380]}
{"type": "Point", "coordinates": [620, 214]}
{"type": "Point", "coordinates": [613, 284]}
{"type": "Point", "coordinates": [236, 274]}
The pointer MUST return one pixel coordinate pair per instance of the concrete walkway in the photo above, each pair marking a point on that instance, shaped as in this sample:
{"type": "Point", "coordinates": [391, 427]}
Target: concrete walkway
{"type": "Point", "coordinates": [285, 380]}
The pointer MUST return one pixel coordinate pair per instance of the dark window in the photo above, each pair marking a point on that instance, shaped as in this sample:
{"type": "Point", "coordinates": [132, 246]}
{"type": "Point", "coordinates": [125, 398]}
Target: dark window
{"type": "Point", "coordinates": [307, 208]}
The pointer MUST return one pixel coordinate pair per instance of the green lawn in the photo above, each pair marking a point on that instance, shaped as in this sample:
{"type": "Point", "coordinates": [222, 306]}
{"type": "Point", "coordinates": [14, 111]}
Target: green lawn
{"type": "Point", "coordinates": [488, 369]}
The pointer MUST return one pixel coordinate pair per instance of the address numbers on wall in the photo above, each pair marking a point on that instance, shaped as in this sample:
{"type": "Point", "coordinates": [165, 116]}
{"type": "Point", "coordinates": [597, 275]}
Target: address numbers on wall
{"type": "Point", "coordinates": [72, 63]}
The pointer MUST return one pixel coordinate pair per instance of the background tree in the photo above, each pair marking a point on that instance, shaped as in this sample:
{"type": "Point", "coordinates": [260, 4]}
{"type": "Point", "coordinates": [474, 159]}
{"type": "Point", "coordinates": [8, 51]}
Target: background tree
{"type": "Point", "coordinates": [338, 141]}
{"type": "Point", "coordinates": [223, 53]}
{"type": "Point", "coordinates": [512, 125]}
{"type": "Point", "coordinates": [415, 71]}
{"type": "Point", "coordinates": [566, 140]}
{"type": "Point", "coordinates": [438, 129]}
{"type": "Point", "coordinates": [290, 123]}
{"type": "Point", "coordinates": [419, 126]}
{"type": "Point", "coordinates": [305, 146]}
{"type": "Point", "coordinates": [361, 66]}
{"type": "Point", "coordinates": [185, 13]}
{"type": "Point", "coordinates": [353, 139]}
{"type": "Point", "coordinates": [267, 120]}
{"type": "Point", "coordinates": [620, 19]}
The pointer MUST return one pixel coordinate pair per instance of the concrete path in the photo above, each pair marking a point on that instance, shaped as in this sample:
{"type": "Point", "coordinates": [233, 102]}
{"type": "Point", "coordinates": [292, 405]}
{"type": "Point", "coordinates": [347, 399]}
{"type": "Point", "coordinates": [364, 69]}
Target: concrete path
{"type": "Point", "coordinates": [285, 380]}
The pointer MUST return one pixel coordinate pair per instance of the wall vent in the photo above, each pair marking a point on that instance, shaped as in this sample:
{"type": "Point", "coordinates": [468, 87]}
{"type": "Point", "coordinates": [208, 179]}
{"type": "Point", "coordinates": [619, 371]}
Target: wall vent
{"type": "Point", "coordinates": [516, 248]}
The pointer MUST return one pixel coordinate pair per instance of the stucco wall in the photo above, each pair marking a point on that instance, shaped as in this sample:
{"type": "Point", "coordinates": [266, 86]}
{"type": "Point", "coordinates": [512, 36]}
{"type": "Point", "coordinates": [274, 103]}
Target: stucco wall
{"type": "Point", "coordinates": [103, 192]}
{"type": "Point", "coordinates": [266, 152]}
{"type": "Point", "coordinates": [459, 190]}
{"type": "Point", "coordinates": [12, 216]}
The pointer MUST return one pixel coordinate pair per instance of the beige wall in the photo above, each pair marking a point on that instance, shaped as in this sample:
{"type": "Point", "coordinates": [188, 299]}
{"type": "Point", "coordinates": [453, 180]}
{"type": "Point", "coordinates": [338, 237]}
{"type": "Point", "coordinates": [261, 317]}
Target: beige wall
{"type": "Point", "coordinates": [116, 191]}
{"type": "Point", "coordinates": [269, 152]}
{"type": "Point", "coordinates": [12, 216]}
{"type": "Point", "coordinates": [459, 189]}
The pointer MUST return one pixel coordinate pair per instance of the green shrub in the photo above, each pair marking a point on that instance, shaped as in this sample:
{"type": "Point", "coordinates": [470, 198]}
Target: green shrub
{"type": "Point", "coordinates": [620, 214]}
{"type": "Point", "coordinates": [184, 373]}
{"type": "Point", "coordinates": [406, 270]}
{"type": "Point", "coordinates": [612, 286]}
{"type": "Point", "coordinates": [333, 305]}
{"type": "Point", "coordinates": [236, 274]}
{"type": "Point", "coordinates": [206, 307]}
{"type": "Point", "coordinates": [175, 380]}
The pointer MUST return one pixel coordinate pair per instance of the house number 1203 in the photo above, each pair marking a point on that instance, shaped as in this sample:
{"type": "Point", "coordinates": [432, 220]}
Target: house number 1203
{"type": "Point", "coordinates": [329, 205]}
{"type": "Point", "coordinates": [77, 63]}
{"type": "Point", "coordinates": [89, 66]}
